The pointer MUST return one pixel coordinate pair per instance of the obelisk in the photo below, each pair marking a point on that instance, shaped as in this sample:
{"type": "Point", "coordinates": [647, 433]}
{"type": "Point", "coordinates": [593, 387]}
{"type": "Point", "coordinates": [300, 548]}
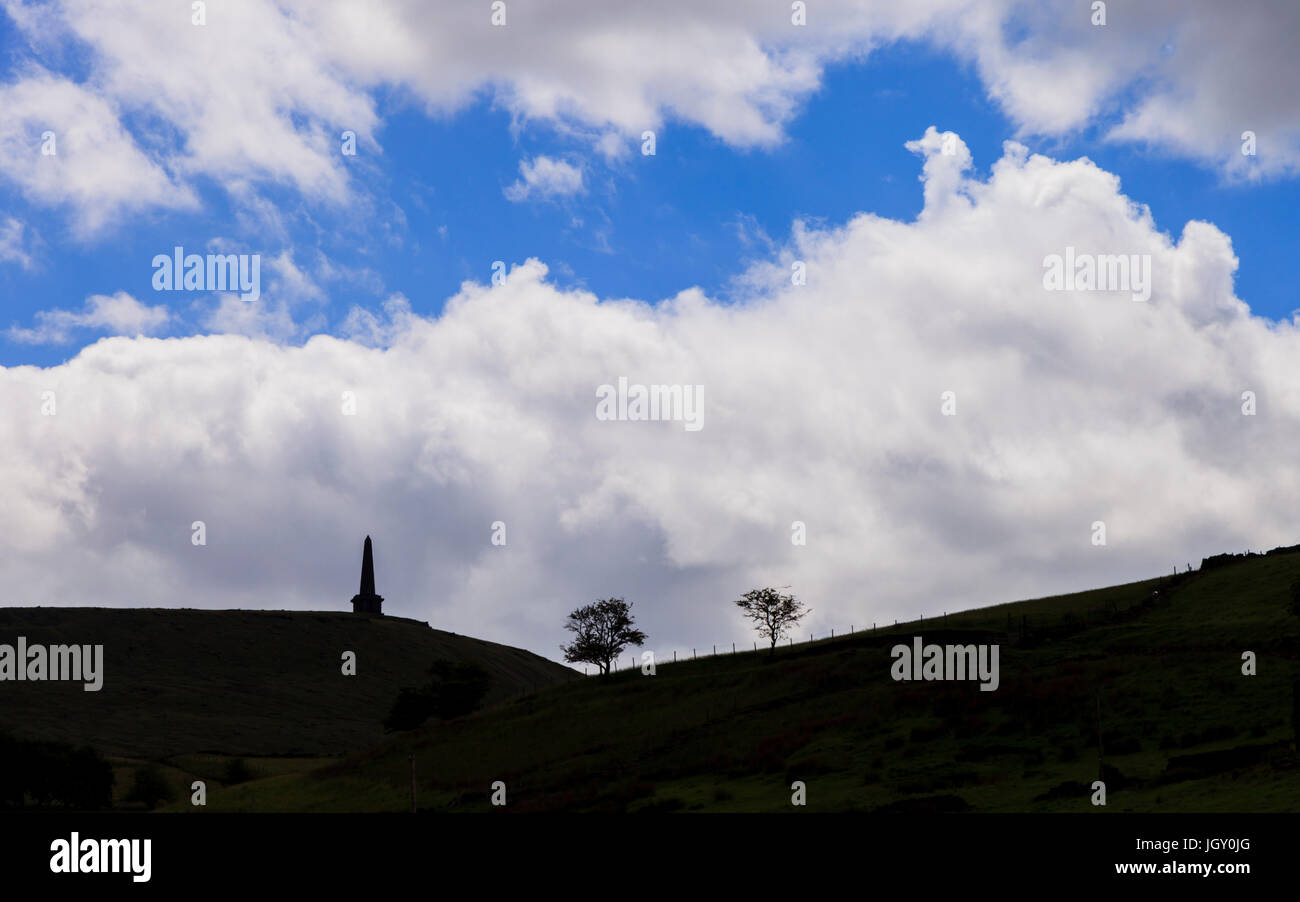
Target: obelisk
{"type": "Point", "coordinates": [366, 601]}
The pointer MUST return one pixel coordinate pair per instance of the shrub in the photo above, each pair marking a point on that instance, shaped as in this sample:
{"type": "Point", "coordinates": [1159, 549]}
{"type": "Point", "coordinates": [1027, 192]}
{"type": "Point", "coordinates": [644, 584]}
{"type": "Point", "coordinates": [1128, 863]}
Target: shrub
{"type": "Point", "coordinates": [454, 689]}
{"type": "Point", "coordinates": [237, 771]}
{"type": "Point", "coordinates": [52, 772]}
{"type": "Point", "coordinates": [150, 787]}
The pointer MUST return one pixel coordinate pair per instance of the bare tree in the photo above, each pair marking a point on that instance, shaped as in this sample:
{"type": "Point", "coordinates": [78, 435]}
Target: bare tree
{"type": "Point", "coordinates": [601, 631]}
{"type": "Point", "coordinates": [774, 615]}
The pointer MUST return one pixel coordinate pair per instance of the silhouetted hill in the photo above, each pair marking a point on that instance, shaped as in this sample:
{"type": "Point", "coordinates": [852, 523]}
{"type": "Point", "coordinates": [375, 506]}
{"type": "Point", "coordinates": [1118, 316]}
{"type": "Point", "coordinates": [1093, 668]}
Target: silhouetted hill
{"type": "Point", "coordinates": [1182, 728]}
{"type": "Point", "coordinates": [239, 682]}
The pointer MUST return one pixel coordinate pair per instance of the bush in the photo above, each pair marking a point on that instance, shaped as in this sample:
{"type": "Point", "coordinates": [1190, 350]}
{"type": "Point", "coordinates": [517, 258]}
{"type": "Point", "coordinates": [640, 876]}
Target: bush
{"type": "Point", "coordinates": [412, 708]}
{"type": "Point", "coordinates": [52, 772]}
{"type": "Point", "coordinates": [88, 782]}
{"type": "Point", "coordinates": [237, 771]}
{"type": "Point", "coordinates": [458, 688]}
{"type": "Point", "coordinates": [150, 787]}
{"type": "Point", "coordinates": [454, 689]}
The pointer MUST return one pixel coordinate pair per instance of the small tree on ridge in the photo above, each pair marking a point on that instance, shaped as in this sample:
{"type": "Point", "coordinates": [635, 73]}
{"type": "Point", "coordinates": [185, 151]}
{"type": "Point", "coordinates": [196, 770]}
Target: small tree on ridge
{"type": "Point", "coordinates": [774, 615]}
{"type": "Point", "coordinates": [601, 631]}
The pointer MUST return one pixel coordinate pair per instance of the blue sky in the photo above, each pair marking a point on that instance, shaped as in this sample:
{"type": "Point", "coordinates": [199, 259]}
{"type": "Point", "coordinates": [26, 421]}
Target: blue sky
{"type": "Point", "coordinates": [696, 214]}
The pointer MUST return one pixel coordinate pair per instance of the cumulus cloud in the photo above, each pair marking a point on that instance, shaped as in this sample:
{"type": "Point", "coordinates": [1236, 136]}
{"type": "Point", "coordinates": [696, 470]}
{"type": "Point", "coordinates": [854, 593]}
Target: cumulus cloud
{"type": "Point", "coordinates": [822, 405]}
{"type": "Point", "coordinates": [1166, 73]}
{"type": "Point", "coordinates": [544, 177]}
{"type": "Point", "coordinates": [117, 314]}
{"type": "Point", "coordinates": [263, 91]}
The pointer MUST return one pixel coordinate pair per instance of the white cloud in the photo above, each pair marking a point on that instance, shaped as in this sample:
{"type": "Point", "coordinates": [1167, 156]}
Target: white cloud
{"type": "Point", "coordinates": [289, 280]}
{"type": "Point", "coordinates": [822, 404]}
{"type": "Point", "coordinates": [288, 307]}
{"type": "Point", "coordinates": [117, 314]}
{"type": "Point", "coordinates": [545, 177]}
{"type": "Point", "coordinates": [259, 318]}
{"type": "Point", "coordinates": [371, 330]}
{"type": "Point", "coordinates": [13, 243]}
{"type": "Point", "coordinates": [96, 168]}
{"type": "Point", "coordinates": [1187, 77]}
{"type": "Point", "coordinates": [253, 92]}
{"type": "Point", "coordinates": [612, 146]}
{"type": "Point", "coordinates": [263, 92]}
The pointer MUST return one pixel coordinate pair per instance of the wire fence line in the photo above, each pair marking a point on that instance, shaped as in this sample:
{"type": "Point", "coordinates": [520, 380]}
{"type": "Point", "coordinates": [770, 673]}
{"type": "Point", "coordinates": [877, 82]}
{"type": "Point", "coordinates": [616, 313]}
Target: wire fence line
{"type": "Point", "coordinates": [1107, 611]}
{"type": "Point", "coordinates": [730, 648]}
{"type": "Point", "coordinates": [531, 687]}
{"type": "Point", "coordinates": [694, 654]}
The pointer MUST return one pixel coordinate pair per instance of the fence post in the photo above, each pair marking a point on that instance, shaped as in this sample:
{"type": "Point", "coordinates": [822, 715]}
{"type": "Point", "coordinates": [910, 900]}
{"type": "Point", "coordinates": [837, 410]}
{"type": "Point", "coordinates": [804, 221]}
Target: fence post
{"type": "Point", "coordinates": [1101, 760]}
{"type": "Point", "coordinates": [674, 656]}
{"type": "Point", "coordinates": [733, 648]}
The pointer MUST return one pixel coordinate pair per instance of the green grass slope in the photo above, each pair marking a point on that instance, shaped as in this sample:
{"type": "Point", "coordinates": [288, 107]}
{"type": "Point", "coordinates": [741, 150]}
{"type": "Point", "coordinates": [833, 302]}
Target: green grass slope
{"type": "Point", "coordinates": [239, 682]}
{"type": "Point", "coordinates": [1181, 727]}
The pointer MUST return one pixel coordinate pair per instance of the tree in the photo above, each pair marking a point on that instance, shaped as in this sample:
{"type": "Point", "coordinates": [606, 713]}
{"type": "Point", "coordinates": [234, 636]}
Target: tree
{"type": "Point", "coordinates": [1294, 604]}
{"type": "Point", "coordinates": [774, 614]}
{"type": "Point", "coordinates": [601, 631]}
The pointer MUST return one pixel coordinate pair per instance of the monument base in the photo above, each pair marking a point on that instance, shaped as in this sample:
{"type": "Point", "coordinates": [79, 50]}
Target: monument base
{"type": "Point", "coordinates": [367, 604]}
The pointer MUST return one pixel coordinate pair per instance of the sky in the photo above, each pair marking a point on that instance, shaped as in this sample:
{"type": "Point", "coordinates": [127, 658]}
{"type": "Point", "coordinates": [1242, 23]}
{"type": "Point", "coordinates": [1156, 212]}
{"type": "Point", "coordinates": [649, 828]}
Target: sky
{"type": "Point", "coordinates": [643, 184]}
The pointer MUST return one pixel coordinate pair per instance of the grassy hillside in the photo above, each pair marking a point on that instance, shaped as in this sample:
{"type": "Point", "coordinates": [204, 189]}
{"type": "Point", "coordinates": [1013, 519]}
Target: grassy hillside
{"type": "Point", "coordinates": [1182, 728]}
{"type": "Point", "coordinates": [239, 682]}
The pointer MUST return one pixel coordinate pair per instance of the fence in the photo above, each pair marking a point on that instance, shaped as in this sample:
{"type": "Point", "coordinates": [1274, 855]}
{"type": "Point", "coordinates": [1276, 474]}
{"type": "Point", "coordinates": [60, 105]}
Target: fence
{"type": "Point", "coordinates": [634, 662]}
